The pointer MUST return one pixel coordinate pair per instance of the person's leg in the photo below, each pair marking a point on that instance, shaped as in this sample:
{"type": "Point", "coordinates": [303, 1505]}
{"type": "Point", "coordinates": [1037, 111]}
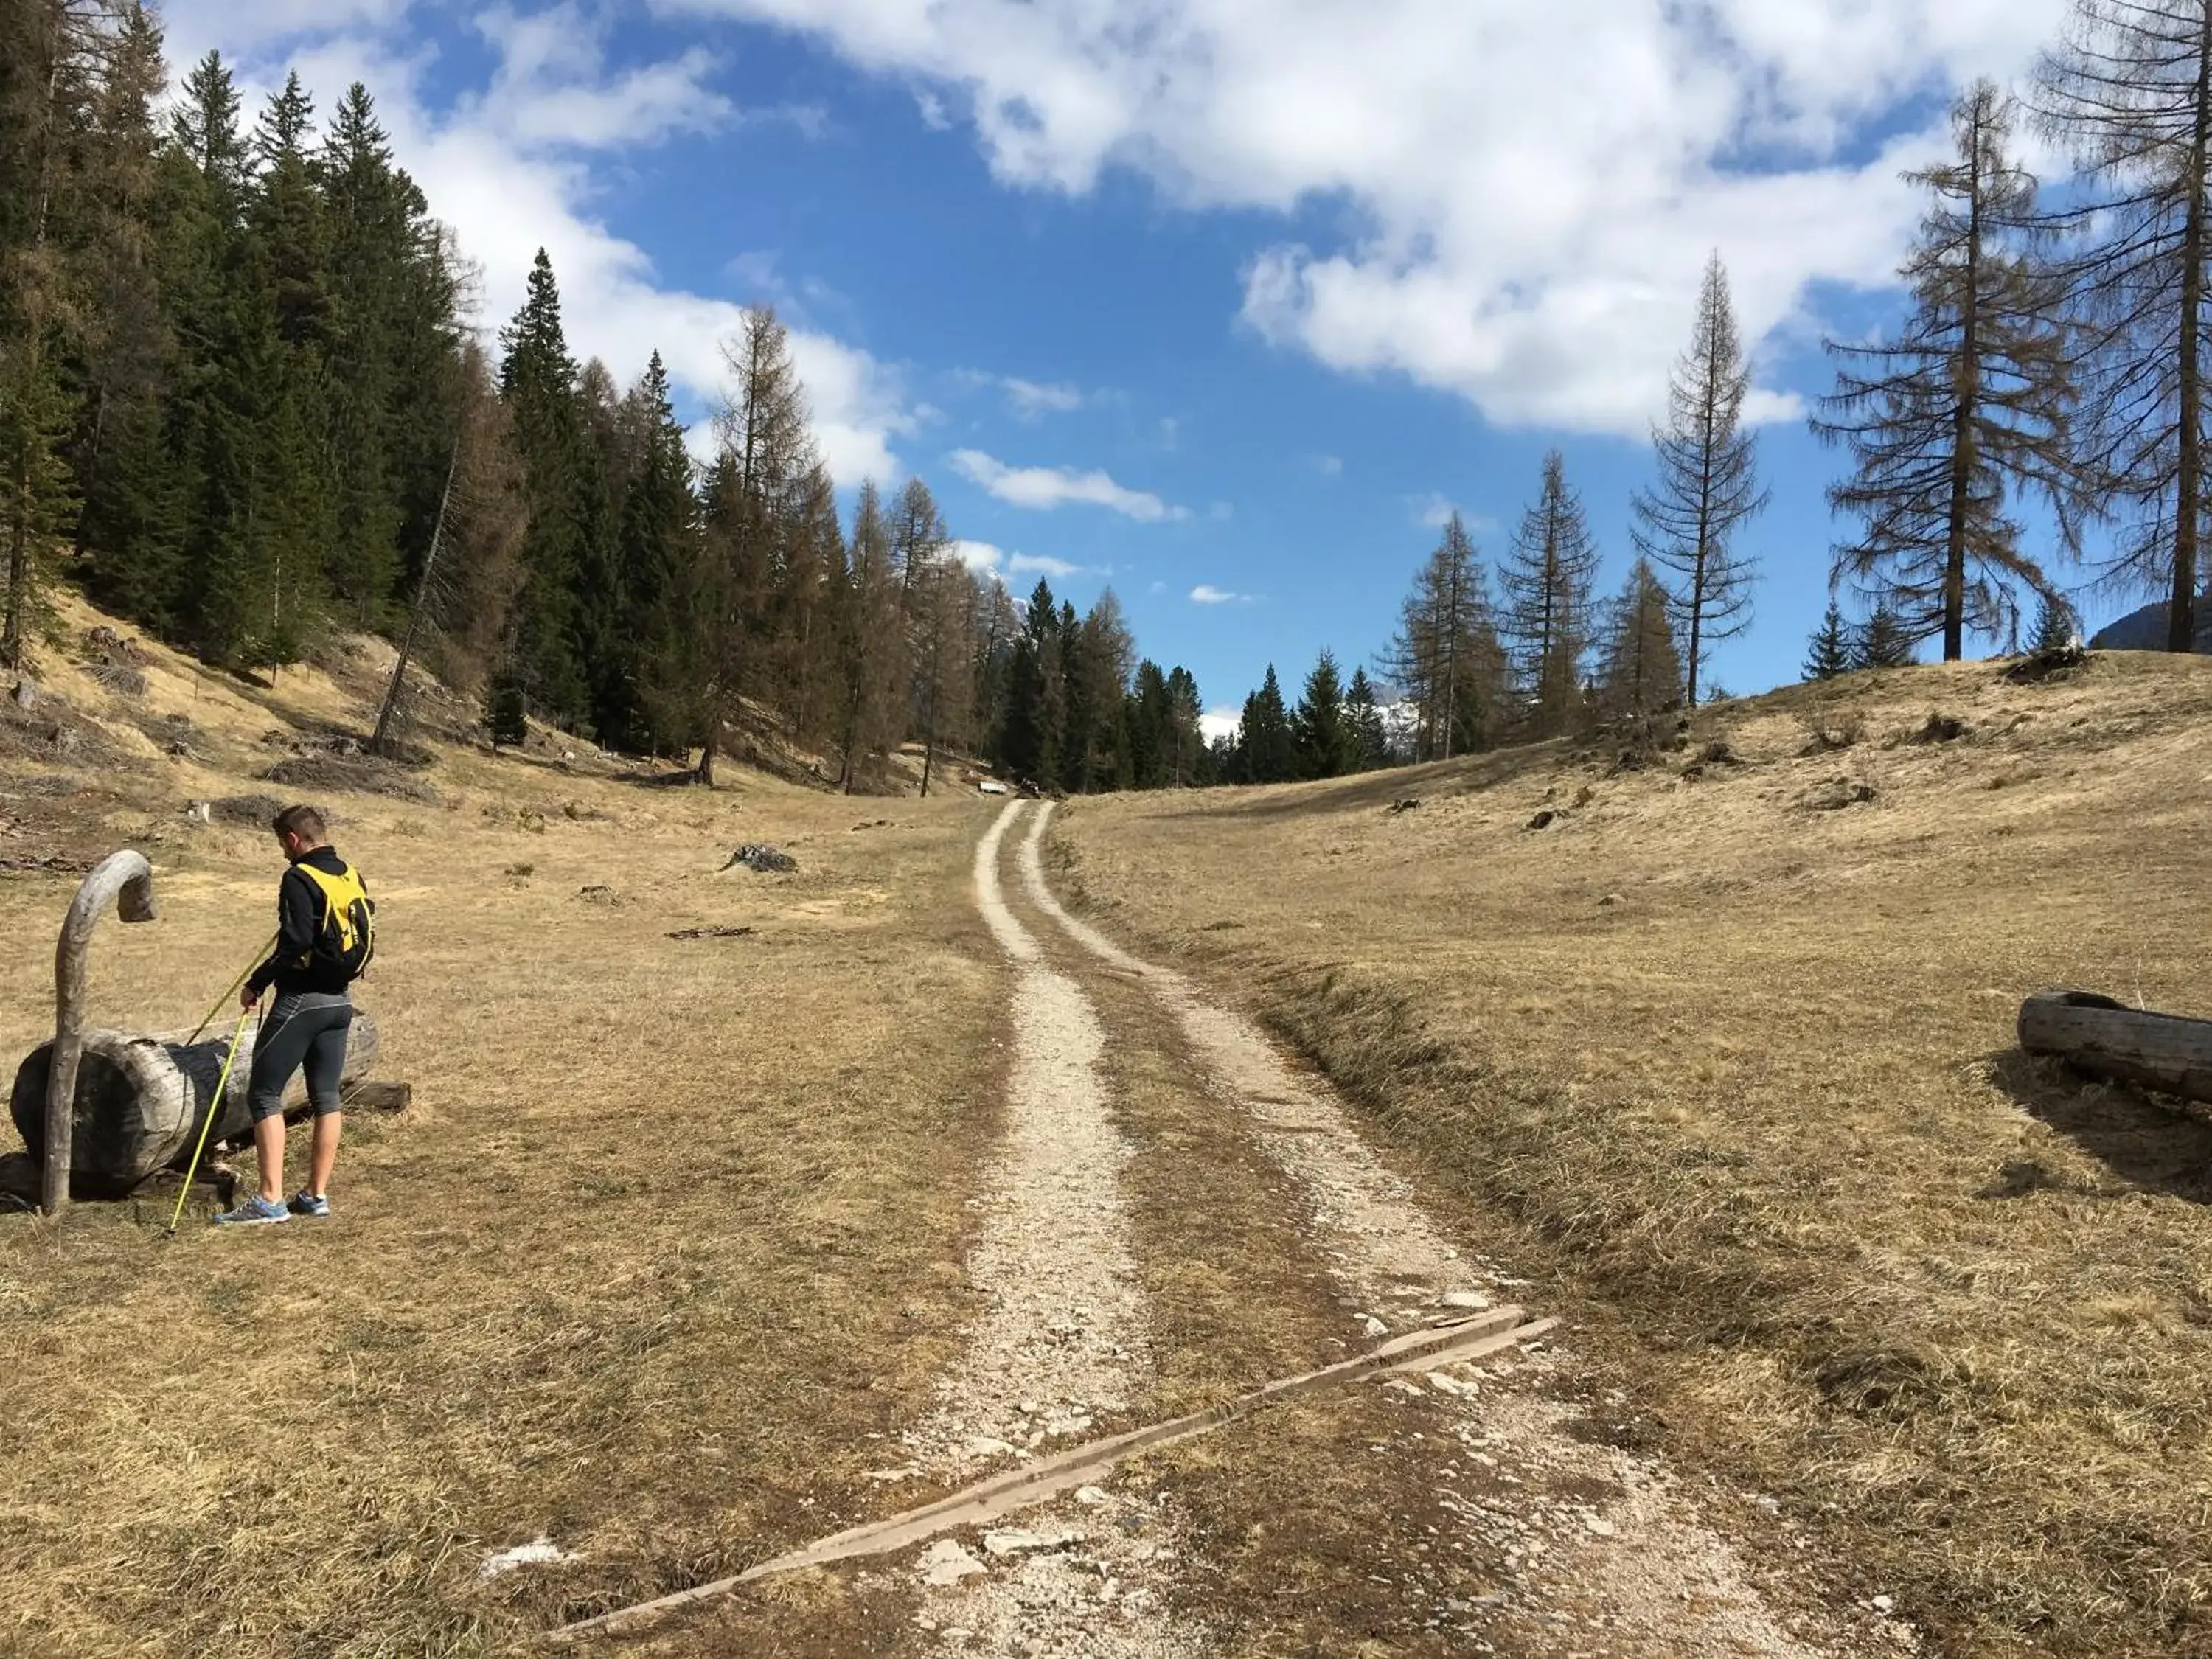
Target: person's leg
{"type": "Point", "coordinates": [279, 1048]}
{"type": "Point", "coordinates": [269, 1151]}
{"type": "Point", "coordinates": [326, 1063]}
{"type": "Point", "coordinates": [328, 1128]}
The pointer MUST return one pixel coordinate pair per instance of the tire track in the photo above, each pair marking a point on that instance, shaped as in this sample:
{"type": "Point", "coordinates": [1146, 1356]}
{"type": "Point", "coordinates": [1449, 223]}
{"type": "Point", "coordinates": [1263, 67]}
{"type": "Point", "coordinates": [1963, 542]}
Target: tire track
{"type": "Point", "coordinates": [1063, 1342]}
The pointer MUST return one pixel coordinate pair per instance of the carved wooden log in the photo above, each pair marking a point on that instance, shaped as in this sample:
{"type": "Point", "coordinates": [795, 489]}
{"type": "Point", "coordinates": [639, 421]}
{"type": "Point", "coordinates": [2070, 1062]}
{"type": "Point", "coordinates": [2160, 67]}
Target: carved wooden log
{"type": "Point", "coordinates": [140, 1100]}
{"type": "Point", "coordinates": [2169, 1053]}
{"type": "Point", "coordinates": [123, 879]}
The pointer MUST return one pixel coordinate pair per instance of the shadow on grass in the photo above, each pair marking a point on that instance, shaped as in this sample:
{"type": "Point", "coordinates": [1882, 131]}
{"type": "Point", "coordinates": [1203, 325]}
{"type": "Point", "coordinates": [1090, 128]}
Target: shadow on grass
{"type": "Point", "coordinates": [2150, 1147]}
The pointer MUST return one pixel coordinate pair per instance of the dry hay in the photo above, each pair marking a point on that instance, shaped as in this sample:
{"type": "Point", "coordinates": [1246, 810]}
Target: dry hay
{"type": "Point", "coordinates": [619, 1275]}
{"type": "Point", "coordinates": [348, 776]}
{"type": "Point", "coordinates": [1764, 1116]}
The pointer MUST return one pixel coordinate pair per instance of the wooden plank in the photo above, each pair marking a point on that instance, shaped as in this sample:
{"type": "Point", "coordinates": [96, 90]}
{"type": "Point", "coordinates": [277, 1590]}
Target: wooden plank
{"type": "Point", "coordinates": [1015, 1489]}
{"type": "Point", "coordinates": [2169, 1053]}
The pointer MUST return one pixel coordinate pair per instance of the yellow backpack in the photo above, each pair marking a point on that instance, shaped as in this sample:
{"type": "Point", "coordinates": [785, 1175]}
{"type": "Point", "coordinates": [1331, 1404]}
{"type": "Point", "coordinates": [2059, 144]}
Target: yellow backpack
{"type": "Point", "coordinates": [348, 937]}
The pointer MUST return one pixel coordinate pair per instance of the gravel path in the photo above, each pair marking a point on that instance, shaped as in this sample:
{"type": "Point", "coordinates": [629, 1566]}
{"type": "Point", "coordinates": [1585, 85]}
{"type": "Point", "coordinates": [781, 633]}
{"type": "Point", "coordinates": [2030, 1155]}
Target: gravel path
{"type": "Point", "coordinates": [1063, 1343]}
{"type": "Point", "coordinates": [1608, 1554]}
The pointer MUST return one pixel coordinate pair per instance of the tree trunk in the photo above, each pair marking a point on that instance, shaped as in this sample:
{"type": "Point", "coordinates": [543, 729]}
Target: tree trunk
{"type": "Point", "coordinates": [140, 1102]}
{"type": "Point", "coordinates": [2168, 1052]}
{"type": "Point", "coordinates": [2181, 617]}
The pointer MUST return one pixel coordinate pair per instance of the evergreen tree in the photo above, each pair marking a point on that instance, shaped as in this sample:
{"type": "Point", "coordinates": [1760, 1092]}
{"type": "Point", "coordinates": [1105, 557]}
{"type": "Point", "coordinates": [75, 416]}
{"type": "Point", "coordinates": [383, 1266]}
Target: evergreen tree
{"type": "Point", "coordinates": [1371, 738]}
{"type": "Point", "coordinates": [2056, 627]}
{"type": "Point", "coordinates": [1267, 744]}
{"type": "Point", "coordinates": [1968, 406]}
{"type": "Point", "coordinates": [1832, 652]}
{"type": "Point", "coordinates": [1322, 733]}
{"type": "Point", "coordinates": [1547, 581]}
{"type": "Point", "coordinates": [1883, 643]}
{"type": "Point", "coordinates": [2128, 92]}
{"type": "Point", "coordinates": [1030, 744]}
{"type": "Point", "coordinates": [658, 543]}
{"type": "Point", "coordinates": [1445, 659]}
{"type": "Point", "coordinates": [1643, 673]}
{"type": "Point", "coordinates": [870, 644]}
{"type": "Point", "coordinates": [1186, 746]}
{"type": "Point", "coordinates": [1708, 485]}
{"type": "Point", "coordinates": [538, 382]}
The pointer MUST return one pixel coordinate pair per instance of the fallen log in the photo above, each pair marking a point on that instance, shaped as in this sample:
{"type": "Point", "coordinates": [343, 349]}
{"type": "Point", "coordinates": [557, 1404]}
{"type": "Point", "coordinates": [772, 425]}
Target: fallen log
{"type": "Point", "coordinates": [2169, 1053]}
{"type": "Point", "coordinates": [140, 1100]}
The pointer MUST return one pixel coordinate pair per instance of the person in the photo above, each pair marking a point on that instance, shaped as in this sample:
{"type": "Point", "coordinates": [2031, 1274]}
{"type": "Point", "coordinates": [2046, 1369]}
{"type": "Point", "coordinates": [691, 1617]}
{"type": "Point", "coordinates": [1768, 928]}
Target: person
{"type": "Point", "coordinates": [324, 937]}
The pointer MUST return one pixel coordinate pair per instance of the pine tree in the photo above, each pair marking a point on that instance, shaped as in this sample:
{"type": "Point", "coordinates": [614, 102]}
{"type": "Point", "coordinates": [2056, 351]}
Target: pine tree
{"type": "Point", "coordinates": [373, 241]}
{"type": "Point", "coordinates": [1371, 738]}
{"type": "Point", "coordinates": [2056, 627]}
{"type": "Point", "coordinates": [1883, 643]}
{"type": "Point", "coordinates": [1643, 673]}
{"type": "Point", "coordinates": [131, 528]}
{"type": "Point", "coordinates": [1269, 744]}
{"type": "Point", "coordinates": [1029, 745]}
{"type": "Point", "coordinates": [870, 644]}
{"type": "Point", "coordinates": [1445, 659]}
{"type": "Point", "coordinates": [658, 546]}
{"type": "Point", "coordinates": [1708, 486]}
{"type": "Point", "coordinates": [1321, 729]}
{"type": "Point", "coordinates": [538, 382]}
{"type": "Point", "coordinates": [1186, 747]}
{"type": "Point", "coordinates": [1546, 580]}
{"type": "Point", "coordinates": [1832, 652]}
{"type": "Point", "coordinates": [43, 109]}
{"type": "Point", "coordinates": [2128, 92]}
{"type": "Point", "coordinates": [1969, 406]}
{"type": "Point", "coordinates": [1097, 657]}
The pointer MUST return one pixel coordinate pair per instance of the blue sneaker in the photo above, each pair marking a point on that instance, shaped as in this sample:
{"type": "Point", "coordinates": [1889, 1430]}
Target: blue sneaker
{"type": "Point", "coordinates": [309, 1204]}
{"type": "Point", "coordinates": [256, 1211]}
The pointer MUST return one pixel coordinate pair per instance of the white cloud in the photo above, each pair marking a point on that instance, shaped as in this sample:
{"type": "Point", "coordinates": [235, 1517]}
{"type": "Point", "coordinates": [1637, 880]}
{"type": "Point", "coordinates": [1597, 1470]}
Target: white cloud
{"type": "Point", "coordinates": [1222, 722]}
{"type": "Point", "coordinates": [1532, 191]}
{"type": "Point", "coordinates": [1206, 593]}
{"type": "Point", "coordinates": [1030, 399]}
{"type": "Point", "coordinates": [1048, 487]}
{"type": "Point", "coordinates": [509, 166]}
{"type": "Point", "coordinates": [1435, 509]}
{"type": "Point", "coordinates": [986, 559]}
{"type": "Point", "coordinates": [551, 87]}
{"type": "Point", "coordinates": [1329, 466]}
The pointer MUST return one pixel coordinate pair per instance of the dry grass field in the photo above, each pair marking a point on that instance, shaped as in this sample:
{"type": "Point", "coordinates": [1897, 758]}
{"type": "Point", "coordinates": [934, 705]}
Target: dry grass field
{"type": "Point", "coordinates": [670, 1240]}
{"type": "Point", "coordinates": [1724, 1054]}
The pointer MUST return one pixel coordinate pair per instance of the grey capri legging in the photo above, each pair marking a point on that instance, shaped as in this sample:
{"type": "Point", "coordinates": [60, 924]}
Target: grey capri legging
{"type": "Point", "coordinates": [309, 1030]}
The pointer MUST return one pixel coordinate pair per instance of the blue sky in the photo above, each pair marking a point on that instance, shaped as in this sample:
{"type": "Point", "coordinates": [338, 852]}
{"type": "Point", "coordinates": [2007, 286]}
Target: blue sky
{"type": "Point", "coordinates": [1216, 301]}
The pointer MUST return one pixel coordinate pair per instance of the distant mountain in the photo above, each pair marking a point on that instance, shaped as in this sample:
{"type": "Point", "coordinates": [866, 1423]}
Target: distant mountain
{"type": "Point", "coordinates": [2145, 629]}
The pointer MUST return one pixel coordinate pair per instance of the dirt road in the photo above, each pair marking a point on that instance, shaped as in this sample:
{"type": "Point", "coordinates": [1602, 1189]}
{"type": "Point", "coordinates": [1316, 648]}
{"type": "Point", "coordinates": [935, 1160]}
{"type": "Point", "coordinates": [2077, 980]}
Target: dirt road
{"type": "Point", "coordinates": [1177, 1212]}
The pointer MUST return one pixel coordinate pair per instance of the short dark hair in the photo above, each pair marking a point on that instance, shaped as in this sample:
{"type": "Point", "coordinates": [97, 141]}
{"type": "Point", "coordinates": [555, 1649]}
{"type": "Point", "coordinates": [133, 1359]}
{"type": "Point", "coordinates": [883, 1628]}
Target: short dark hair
{"type": "Point", "coordinates": [305, 821]}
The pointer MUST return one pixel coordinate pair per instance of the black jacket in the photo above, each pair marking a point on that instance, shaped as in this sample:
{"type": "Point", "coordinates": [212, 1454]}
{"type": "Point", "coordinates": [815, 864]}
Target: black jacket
{"type": "Point", "coordinates": [292, 967]}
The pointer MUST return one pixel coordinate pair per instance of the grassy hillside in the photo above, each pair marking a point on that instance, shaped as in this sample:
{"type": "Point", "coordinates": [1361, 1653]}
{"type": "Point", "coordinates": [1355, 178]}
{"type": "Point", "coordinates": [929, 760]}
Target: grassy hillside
{"type": "Point", "coordinates": [673, 1228]}
{"type": "Point", "coordinates": [1725, 1053]}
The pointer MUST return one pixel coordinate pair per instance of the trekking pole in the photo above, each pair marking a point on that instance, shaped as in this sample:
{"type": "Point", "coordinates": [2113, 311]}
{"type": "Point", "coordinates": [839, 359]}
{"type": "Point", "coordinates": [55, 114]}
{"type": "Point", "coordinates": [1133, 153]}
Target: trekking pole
{"type": "Point", "coordinates": [235, 984]}
{"type": "Point", "coordinates": [214, 1109]}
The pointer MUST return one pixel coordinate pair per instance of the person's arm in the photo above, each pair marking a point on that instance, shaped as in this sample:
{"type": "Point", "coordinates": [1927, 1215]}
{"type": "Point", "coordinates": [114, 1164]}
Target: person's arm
{"type": "Point", "coordinates": [295, 934]}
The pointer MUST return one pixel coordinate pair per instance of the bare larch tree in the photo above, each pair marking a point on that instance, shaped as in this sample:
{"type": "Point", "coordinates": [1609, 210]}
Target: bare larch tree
{"type": "Point", "coordinates": [1708, 485]}
{"type": "Point", "coordinates": [2128, 92]}
{"type": "Point", "coordinates": [1968, 407]}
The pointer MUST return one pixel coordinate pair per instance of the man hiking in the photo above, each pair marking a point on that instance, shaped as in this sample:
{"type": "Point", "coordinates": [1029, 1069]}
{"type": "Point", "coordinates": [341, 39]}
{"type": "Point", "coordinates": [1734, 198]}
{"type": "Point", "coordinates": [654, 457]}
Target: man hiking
{"type": "Point", "coordinates": [324, 937]}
